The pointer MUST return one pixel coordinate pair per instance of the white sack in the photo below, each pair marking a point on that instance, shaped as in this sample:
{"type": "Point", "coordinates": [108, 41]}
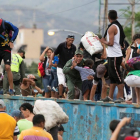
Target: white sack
{"type": "Point", "coordinates": [52, 112]}
{"type": "Point", "coordinates": [91, 43]}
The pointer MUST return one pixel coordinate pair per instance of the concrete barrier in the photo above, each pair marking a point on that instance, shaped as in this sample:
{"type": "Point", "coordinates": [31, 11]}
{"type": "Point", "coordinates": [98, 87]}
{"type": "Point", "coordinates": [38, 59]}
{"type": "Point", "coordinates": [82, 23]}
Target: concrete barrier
{"type": "Point", "coordinates": [87, 120]}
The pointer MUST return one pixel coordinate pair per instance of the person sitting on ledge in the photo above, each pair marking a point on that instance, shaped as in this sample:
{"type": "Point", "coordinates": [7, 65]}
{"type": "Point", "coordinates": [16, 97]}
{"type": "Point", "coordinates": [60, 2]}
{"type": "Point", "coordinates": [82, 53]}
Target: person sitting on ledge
{"type": "Point", "coordinates": [28, 84]}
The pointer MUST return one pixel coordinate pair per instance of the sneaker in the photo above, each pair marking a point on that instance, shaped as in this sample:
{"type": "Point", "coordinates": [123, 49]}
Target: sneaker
{"type": "Point", "coordinates": [49, 88]}
{"type": "Point", "coordinates": [55, 89]}
{"type": "Point", "coordinates": [11, 92]}
{"type": "Point", "coordinates": [101, 100]}
{"type": "Point", "coordinates": [107, 99]}
{"type": "Point", "coordinates": [119, 100]}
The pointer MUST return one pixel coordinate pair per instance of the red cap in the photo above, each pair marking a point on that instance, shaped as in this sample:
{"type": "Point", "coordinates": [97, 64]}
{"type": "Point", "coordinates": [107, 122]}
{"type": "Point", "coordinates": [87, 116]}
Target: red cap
{"type": "Point", "coordinates": [131, 138]}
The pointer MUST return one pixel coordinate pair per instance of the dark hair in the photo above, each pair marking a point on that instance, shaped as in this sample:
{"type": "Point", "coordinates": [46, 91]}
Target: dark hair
{"type": "Point", "coordinates": [89, 63]}
{"type": "Point", "coordinates": [136, 36]}
{"type": "Point", "coordinates": [37, 119]}
{"type": "Point", "coordinates": [112, 14]}
{"type": "Point", "coordinates": [81, 46]}
{"type": "Point", "coordinates": [50, 49]}
{"type": "Point", "coordinates": [25, 106]}
{"type": "Point", "coordinates": [21, 116]}
{"type": "Point", "coordinates": [113, 124]}
{"type": "Point", "coordinates": [126, 45]}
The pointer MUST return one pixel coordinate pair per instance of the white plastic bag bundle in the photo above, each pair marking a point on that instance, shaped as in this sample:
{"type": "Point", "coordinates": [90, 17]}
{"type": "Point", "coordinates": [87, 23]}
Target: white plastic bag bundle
{"type": "Point", "coordinates": [52, 112]}
{"type": "Point", "coordinates": [91, 43]}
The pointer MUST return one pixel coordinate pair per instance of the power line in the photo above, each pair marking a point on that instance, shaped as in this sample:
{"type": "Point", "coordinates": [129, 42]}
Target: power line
{"type": "Point", "coordinates": [72, 8]}
{"type": "Point", "coordinates": [118, 17]}
{"type": "Point", "coordinates": [120, 14]}
{"type": "Point", "coordinates": [55, 12]}
{"type": "Point", "coordinates": [44, 14]}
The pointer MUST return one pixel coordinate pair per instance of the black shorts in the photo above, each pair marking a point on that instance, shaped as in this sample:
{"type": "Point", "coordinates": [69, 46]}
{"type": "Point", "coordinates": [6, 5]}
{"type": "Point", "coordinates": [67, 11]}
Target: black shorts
{"type": "Point", "coordinates": [86, 85]}
{"type": "Point", "coordinates": [114, 72]}
{"type": "Point", "coordinates": [6, 56]}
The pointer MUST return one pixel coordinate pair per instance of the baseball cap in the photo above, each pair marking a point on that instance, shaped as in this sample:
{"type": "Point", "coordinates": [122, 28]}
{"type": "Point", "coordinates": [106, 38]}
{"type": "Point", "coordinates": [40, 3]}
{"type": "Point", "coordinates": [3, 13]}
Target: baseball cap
{"type": "Point", "coordinates": [2, 103]}
{"type": "Point", "coordinates": [71, 36]}
{"type": "Point", "coordinates": [78, 52]}
{"type": "Point", "coordinates": [100, 70]}
{"type": "Point", "coordinates": [131, 138]}
{"type": "Point", "coordinates": [61, 128]}
{"type": "Point", "coordinates": [31, 76]}
{"type": "Point", "coordinates": [16, 113]}
{"type": "Point", "coordinates": [22, 51]}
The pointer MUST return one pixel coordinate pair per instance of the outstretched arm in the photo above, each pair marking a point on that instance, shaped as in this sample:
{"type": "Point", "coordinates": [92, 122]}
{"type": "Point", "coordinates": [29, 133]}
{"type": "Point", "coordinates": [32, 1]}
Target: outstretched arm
{"type": "Point", "coordinates": [38, 89]}
{"type": "Point", "coordinates": [119, 126]}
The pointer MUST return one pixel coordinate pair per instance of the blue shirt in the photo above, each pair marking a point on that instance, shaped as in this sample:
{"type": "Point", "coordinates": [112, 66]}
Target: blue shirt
{"type": "Point", "coordinates": [55, 60]}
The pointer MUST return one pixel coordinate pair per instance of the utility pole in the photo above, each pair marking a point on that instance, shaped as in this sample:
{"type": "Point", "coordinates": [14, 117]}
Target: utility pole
{"type": "Point", "coordinates": [132, 2]}
{"type": "Point", "coordinates": [34, 19]}
{"type": "Point", "coordinates": [99, 17]}
{"type": "Point", "coordinates": [106, 13]}
{"type": "Point", "coordinates": [105, 16]}
{"type": "Point", "coordinates": [133, 18]}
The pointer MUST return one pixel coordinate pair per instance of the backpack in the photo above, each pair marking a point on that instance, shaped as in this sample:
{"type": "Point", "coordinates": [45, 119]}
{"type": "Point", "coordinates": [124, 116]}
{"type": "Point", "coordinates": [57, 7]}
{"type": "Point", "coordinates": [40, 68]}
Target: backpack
{"type": "Point", "coordinates": [41, 71]}
{"type": "Point", "coordinates": [128, 131]}
{"type": "Point", "coordinates": [133, 64]}
{"type": "Point", "coordinates": [2, 23]}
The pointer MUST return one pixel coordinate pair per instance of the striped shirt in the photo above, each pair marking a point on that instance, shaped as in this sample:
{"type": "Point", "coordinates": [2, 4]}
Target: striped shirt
{"type": "Point", "coordinates": [85, 72]}
{"type": "Point", "coordinates": [35, 133]}
{"type": "Point", "coordinates": [16, 131]}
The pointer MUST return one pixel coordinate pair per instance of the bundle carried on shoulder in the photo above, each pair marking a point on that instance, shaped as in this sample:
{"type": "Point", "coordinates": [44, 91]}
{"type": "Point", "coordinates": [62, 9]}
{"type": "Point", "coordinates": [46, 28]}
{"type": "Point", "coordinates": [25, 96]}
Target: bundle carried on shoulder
{"type": "Point", "coordinates": [133, 64]}
{"type": "Point", "coordinates": [91, 43]}
{"type": "Point", "coordinates": [52, 112]}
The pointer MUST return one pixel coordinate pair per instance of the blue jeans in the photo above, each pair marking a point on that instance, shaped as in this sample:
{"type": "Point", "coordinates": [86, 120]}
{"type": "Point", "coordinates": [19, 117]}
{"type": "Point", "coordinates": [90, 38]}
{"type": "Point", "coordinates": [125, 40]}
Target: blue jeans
{"type": "Point", "coordinates": [115, 93]}
{"type": "Point", "coordinates": [1, 91]}
{"type": "Point", "coordinates": [45, 81]}
{"type": "Point", "coordinates": [53, 81]}
{"type": "Point", "coordinates": [128, 91]}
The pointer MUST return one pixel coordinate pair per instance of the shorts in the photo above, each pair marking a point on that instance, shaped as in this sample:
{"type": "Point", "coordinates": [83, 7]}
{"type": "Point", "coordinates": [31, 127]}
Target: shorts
{"type": "Point", "coordinates": [86, 85]}
{"type": "Point", "coordinates": [61, 77]}
{"type": "Point", "coordinates": [114, 70]}
{"type": "Point", "coordinates": [132, 81]}
{"type": "Point", "coordinates": [6, 56]}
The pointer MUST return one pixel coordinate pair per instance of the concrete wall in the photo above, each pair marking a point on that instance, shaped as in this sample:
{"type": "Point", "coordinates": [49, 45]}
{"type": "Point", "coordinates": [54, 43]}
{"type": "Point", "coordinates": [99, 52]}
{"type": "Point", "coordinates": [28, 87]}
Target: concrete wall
{"type": "Point", "coordinates": [87, 120]}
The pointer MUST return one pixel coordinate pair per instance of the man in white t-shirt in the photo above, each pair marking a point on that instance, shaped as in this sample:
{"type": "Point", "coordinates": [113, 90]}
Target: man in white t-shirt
{"type": "Point", "coordinates": [114, 41]}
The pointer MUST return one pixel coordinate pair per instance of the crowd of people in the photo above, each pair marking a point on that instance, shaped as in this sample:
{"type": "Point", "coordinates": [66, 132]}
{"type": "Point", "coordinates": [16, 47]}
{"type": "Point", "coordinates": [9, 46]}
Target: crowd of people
{"type": "Point", "coordinates": [69, 73]}
{"type": "Point", "coordinates": [74, 73]}
{"type": "Point", "coordinates": [79, 75]}
{"type": "Point", "coordinates": [23, 124]}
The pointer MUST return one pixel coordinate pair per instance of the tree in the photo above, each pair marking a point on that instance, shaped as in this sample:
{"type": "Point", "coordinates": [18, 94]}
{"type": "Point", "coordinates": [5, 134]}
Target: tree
{"type": "Point", "coordinates": [127, 14]}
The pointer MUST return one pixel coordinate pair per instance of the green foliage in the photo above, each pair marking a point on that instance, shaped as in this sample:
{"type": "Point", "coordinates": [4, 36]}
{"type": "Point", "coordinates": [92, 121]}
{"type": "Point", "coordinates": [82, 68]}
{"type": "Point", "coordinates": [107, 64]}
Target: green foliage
{"type": "Point", "coordinates": [127, 29]}
{"type": "Point", "coordinates": [32, 69]}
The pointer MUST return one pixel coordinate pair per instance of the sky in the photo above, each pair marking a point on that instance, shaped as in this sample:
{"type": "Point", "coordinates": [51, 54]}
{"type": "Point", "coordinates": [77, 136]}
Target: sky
{"type": "Point", "coordinates": [80, 10]}
{"type": "Point", "coordinates": [73, 12]}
